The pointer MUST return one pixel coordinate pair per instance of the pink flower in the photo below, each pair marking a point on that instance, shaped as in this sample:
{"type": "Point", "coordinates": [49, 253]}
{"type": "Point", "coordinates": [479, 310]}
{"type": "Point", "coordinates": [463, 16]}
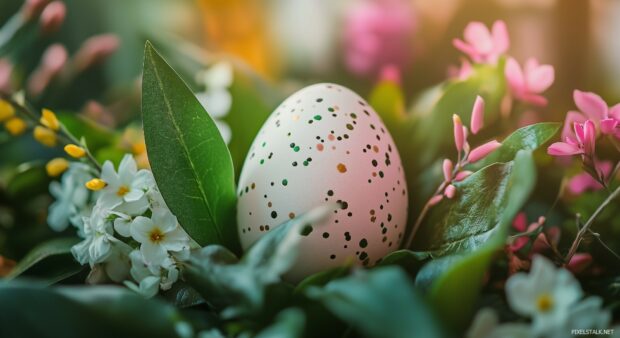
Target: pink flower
{"type": "Point", "coordinates": [583, 142]}
{"type": "Point", "coordinates": [596, 109]}
{"type": "Point", "coordinates": [482, 151]}
{"type": "Point", "coordinates": [378, 33]}
{"type": "Point", "coordinates": [583, 182]}
{"type": "Point", "coordinates": [477, 115]}
{"type": "Point", "coordinates": [450, 191]}
{"type": "Point", "coordinates": [528, 83]}
{"type": "Point", "coordinates": [482, 45]}
{"type": "Point", "coordinates": [390, 73]}
{"type": "Point", "coordinates": [447, 168]}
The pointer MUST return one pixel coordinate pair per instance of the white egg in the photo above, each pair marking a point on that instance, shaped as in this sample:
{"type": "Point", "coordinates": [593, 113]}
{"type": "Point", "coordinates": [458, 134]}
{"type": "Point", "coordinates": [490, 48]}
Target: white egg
{"type": "Point", "coordinates": [325, 144]}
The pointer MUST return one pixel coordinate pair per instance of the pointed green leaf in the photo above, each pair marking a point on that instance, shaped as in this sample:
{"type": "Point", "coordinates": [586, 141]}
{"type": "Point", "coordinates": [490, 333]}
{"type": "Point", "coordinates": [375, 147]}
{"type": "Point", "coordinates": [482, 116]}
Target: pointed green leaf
{"type": "Point", "coordinates": [188, 156]}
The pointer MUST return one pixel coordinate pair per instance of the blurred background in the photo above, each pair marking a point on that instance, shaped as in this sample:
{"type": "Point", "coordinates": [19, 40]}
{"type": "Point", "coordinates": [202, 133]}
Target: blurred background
{"type": "Point", "coordinates": [84, 58]}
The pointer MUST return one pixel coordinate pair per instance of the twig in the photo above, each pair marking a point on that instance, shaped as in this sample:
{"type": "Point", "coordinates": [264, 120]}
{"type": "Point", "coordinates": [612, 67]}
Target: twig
{"type": "Point", "coordinates": [600, 240]}
{"type": "Point", "coordinates": [588, 224]}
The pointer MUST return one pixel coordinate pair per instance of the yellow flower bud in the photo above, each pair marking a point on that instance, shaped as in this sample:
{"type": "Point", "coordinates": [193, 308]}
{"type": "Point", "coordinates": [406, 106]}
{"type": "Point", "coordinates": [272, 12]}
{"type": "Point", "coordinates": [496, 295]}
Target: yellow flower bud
{"type": "Point", "coordinates": [95, 184]}
{"type": "Point", "coordinates": [45, 136]}
{"type": "Point", "coordinates": [6, 110]}
{"type": "Point", "coordinates": [15, 126]}
{"type": "Point", "coordinates": [49, 119]}
{"type": "Point", "coordinates": [75, 151]}
{"type": "Point", "coordinates": [56, 166]}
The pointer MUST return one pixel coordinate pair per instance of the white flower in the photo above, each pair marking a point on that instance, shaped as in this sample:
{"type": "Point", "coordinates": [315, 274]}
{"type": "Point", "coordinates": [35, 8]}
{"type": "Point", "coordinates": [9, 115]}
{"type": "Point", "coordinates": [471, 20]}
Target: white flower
{"type": "Point", "coordinates": [486, 325]}
{"type": "Point", "coordinates": [546, 294]}
{"type": "Point", "coordinates": [151, 278]}
{"type": "Point", "coordinates": [586, 314]}
{"type": "Point", "coordinates": [71, 197]}
{"type": "Point", "coordinates": [98, 238]}
{"type": "Point", "coordinates": [216, 99]}
{"type": "Point", "coordinates": [128, 185]}
{"type": "Point", "coordinates": [158, 235]}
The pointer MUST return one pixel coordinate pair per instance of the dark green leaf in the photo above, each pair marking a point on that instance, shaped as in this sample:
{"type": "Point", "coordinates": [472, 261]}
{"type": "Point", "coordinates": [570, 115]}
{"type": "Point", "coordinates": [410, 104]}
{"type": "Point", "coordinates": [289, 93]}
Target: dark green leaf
{"type": "Point", "coordinates": [323, 277]}
{"type": "Point", "coordinates": [239, 288]}
{"type": "Point", "coordinates": [289, 324]}
{"type": "Point", "coordinates": [188, 156]}
{"type": "Point", "coordinates": [51, 261]}
{"type": "Point", "coordinates": [409, 260]}
{"type": "Point", "coordinates": [29, 180]}
{"type": "Point", "coordinates": [468, 230]}
{"type": "Point", "coordinates": [95, 311]}
{"type": "Point", "coordinates": [379, 303]}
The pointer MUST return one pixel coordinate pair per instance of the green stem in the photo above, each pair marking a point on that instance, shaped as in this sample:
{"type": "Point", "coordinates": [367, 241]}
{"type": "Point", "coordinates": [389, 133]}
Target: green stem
{"type": "Point", "coordinates": [586, 227]}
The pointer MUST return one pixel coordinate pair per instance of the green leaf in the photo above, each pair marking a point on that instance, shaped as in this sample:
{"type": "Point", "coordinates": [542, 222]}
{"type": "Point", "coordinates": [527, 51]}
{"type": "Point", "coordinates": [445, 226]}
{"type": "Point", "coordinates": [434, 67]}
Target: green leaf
{"type": "Point", "coordinates": [323, 277]}
{"type": "Point", "coordinates": [526, 138]}
{"type": "Point", "coordinates": [379, 303]}
{"type": "Point", "coordinates": [464, 233]}
{"type": "Point", "coordinates": [289, 324]}
{"type": "Point", "coordinates": [432, 133]}
{"type": "Point", "coordinates": [409, 260]}
{"type": "Point", "coordinates": [30, 310]}
{"type": "Point", "coordinates": [50, 261]}
{"type": "Point", "coordinates": [188, 156]}
{"type": "Point", "coordinates": [388, 101]}
{"type": "Point", "coordinates": [240, 288]}
{"type": "Point", "coordinates": [29, 180]}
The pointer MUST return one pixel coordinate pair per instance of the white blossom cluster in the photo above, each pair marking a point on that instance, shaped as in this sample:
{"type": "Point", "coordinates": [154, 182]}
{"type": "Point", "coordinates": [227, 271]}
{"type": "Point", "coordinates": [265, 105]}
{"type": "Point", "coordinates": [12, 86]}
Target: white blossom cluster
{"type": "Point", "coordinates": [129, 234]}
{"type": "Point", "coordinates": [552, 298]}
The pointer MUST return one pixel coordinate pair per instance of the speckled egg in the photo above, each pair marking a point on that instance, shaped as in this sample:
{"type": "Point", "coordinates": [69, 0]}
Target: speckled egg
{"type": "Point", "coordinates": [325, 144]}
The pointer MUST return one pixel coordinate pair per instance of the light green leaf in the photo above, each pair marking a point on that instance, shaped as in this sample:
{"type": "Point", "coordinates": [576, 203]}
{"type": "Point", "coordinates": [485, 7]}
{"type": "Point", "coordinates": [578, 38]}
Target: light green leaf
{"type": "Point", "coordinates": [188, 156]}
{"type": "Point", "coordinates": [379, 303]}
{"type": "Point", "coordinates": [50, 261]}
{"type": "Point", "coordinates": [464, 233]}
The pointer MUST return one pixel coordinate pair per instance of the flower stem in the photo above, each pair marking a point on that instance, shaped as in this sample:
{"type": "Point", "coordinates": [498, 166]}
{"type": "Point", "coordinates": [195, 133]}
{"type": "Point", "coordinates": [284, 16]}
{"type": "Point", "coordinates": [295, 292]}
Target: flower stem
{"type": "Point", "coordinates": [63, 131]}
{"type": "Point", "coordinates": [586, 227]}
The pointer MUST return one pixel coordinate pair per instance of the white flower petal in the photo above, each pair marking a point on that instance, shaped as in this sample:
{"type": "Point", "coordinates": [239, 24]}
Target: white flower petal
{"type": "Point", "coordinates": [520, 295]}
{"type": "Point", "coordinates": [217, 102]}
{"type": "Point", "coordinates": [127, 168]}
{"type": "Point", "coordinates": [109, 175]}
{"type": "Point", "coordinates": [220, 75]}
{"type": "Point", "coordinates": [140, 228]}
{"type": "Point", "coordinates": [153, 254]}
{"type": "Point", "coordinates": [164, 219]}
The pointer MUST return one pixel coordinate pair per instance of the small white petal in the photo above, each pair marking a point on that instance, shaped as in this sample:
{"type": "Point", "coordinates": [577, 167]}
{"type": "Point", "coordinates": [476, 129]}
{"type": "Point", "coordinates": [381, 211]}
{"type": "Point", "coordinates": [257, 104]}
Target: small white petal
{"type": "Point", "coordinates": [153, 254]}
{"type": "Point", "coordinates": [140, 228]}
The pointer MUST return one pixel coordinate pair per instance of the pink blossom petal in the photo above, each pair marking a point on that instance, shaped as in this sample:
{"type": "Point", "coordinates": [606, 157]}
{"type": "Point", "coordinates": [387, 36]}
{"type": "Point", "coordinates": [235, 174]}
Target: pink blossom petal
{"type": "Point", "coordinates": [571, 118]}
{"type": "Point", "coordinates": [615, 111]}
{"type": "Point", "coordinates": [563, 149]}
{"type": "Point", "coordinates": [589, 134]}
{"type": "Point", "coordinates": [581, 183]}
{"type": "Point", "coordinates": [467, 49]}
{"type": "Point", "coordinates": [483, 150]}
{"type": "Point", "coordinates": [477, 115]}
{"type": "Point", "coordinates": [590, 104]}
{"type": "Point", "coordinates": [540, 78]}
{"type": "Point", "coordinates": [578, 129]}
{"type": "Point", "coordinates": [537, 100]}
{"type": "Point", "coordinates": [478, 36]}
{"type": "Point", "coordinates": [608, 126]}
{"type": "Point", "coordinates": [514, 76]}
{"type": "Point", "coordinates": [390, 73]}
{"type": "Point", "coordinates": [501, 39]}
{"type": "Point", "coordinates": [519, 243]}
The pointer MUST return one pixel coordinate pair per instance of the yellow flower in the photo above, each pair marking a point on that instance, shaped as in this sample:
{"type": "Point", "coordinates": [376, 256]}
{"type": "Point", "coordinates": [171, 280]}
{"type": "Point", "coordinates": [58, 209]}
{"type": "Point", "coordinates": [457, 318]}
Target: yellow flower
{"type": "Point", "coordinates": [15, 126]}
{"type": "Point", "coordinates": [56, 166]}
{"type": "Point", "coordinates": [75, 151]}
{"type": "Point", "coordinates": [6, 110]}
{"type": "Point", "coordinates": [95, 184]}
{"type": "Point", "coordinates": [45, 136]}
{"type": "Point", "coordinates": [49, 119]}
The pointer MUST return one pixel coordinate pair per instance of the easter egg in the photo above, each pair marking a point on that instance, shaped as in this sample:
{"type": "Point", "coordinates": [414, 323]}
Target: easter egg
{"type": "Point", "coordinates": [325, 144]}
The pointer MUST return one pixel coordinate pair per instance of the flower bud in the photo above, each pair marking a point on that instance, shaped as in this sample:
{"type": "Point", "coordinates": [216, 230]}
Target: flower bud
{"type": "Point", "coordinates": [49, 119]}
{"type": "Point", "coordinates": [477, 115]}
{"type": "Point", "coordinates": [6, 110]}
{"type": "Point", "coordinates": [450, 191]}
{"type": "Point", "coordinates": [95, 184]}
{"type": "Point", "coordinates": [95, 50]}
{"type": "Point", "coordinates": [459, 135]}
{"type": "Point", "coordinates": [15, 126]}
{"type": "Point", "coordinates": [75, 151]}
{"type": "Point", "coordinates": [483, 150]}
{"type": "Point", "coordinates": [434, 200]}
{"type": "Point", "coordinates": [52, 17]}
{"type": "Point", "coordinates": [461, 175]}
{"type": "Point", "coordinates": [45, 136]}
{"type": "Point", "coordinates": [447, 170]}
{"type": "Point", "coordinates": [56, 166]}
